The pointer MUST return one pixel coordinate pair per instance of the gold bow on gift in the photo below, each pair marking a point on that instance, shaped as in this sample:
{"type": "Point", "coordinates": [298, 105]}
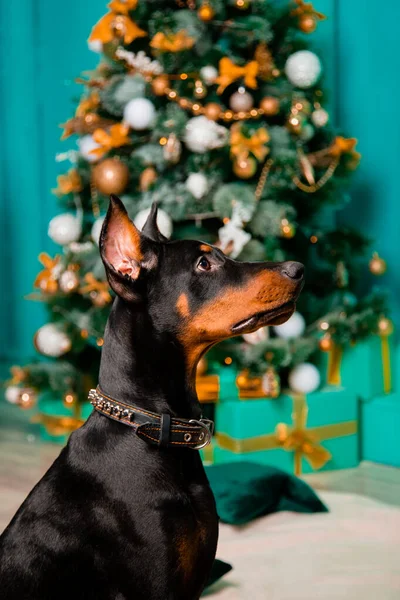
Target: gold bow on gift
{"type": "Point", "coordinates": [115, 137]}
{"type": "Point", "coordinates": [117, 23]}
{"type": "Point", "coordinates": [229, 72]}
{"type": "Point", "coordinates": [174, 42]}
{"type": "Point", "coordinates": [70, 183]}
{"type": "Point", "coordinates": [297, 438]}
{"type": "Point", "coordinates": [241, 145]}
{"type": "Point", "coordinates": [303, 442]}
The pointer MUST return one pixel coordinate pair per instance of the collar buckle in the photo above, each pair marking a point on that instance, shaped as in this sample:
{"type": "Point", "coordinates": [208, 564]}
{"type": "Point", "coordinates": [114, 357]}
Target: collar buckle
{"type": "Point", "coordinates": [207, 427]}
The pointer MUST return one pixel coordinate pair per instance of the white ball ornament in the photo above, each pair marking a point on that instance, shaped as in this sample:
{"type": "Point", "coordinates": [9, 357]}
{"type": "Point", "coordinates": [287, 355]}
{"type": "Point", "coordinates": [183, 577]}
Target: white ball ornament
{"type": "Point", "coordinates": [256, 337]}
{"type": "Point", "coordinates": [139, 113]}
{"type": "Point", "coordinates": [304, 378]}
{"type": "Point", "coordinates": [96, 46]}
{"type": "Point", "coordinates": [293, 328]}
{"type": "Point", "coordinates": [96, 230]}
{"type": "Point", "coordinates": [320, 117]}
{"type": "Point", "coordinates": [241, 101]}
{"type": "Point", "coordinates": [202, 134]}
{"type": "Point", "coordinates": [12, 394]}
{"type": "Point", "coordinates": [208, 74]}
{"type": "Point", "coordinates": [164, 221]}
{"type": "Point", "coordinates": [69, 281]}
{"type": "Point", "coordinates": [303, 69]}
{"type": "Point", "coordinates": [51, 341]}
{"type": "Point", "coordinates": [197, 185]}
{"type": "Point", "coordinates": [86, 144]}
{"type": "Point", "coordinates": [64, 229]}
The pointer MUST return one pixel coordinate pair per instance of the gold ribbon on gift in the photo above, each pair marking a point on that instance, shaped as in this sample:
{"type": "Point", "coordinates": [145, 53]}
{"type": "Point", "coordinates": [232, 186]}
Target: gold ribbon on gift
{"type": "Point", "coordinates": [303, 442]}
{"type": "Point", "coordinates": [208, 454]}
{"type": "Point", "coordinates": [241, 145]}
{"type": "Point", "coordinates": [229, 72]}
{"type": "Point", "coordinates": [334, 362]}
{"type": "Point", "coordinates": [57, 426]}
{"type": "Point", "coordinates": [207, 388]}
{"type": "Point", "coordinates": [386, 369]}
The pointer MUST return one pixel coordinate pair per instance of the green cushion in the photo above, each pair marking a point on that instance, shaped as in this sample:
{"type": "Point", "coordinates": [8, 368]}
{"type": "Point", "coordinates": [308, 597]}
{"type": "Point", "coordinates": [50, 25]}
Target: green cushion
{"type": "Point", "coordinates": [244, 491]}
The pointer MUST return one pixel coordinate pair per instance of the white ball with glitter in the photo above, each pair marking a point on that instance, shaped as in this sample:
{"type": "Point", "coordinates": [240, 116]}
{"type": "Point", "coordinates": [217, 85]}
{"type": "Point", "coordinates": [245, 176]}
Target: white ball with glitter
{"type": "Point", "coordinates": [197, 185]}
{"type": "Point", "coordinates": [96, 230]}
{"type": "Point", "coordinates": [51, 341]}
{"type": "Point", "coordinates": [256, 337]}
{"type": "Point", "coordinates": [293, 328]}
{"type": "Point", "coordinates": [241, 101]}
{"type": "Point", "coordinates": [164, 221]}
{"type": "Point", "coordinates": [139, 113]}
{"type": "Point", "coordinates": [202, 134]}
{"type": "Point", "coordinates": [86, 144]}
{"type": "Point", "coordinates": [64, 229]}
{"type": "Point", "coordinates": [96, 46]}
{"type": "Point", "coordinates": [303, 69]}
{"type": "Point", "coordinates": [304, 378]}
{"type": "Point", "coordinates": [12, 394]}
{"type": "Point", "coordinates": [208, 74]}
{"type": "Point", "coordinates": [320, 117]}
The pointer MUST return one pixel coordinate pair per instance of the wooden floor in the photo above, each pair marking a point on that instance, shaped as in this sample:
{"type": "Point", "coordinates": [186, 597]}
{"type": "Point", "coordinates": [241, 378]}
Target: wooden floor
{"type": "Point", "coordinates": [24, 458]}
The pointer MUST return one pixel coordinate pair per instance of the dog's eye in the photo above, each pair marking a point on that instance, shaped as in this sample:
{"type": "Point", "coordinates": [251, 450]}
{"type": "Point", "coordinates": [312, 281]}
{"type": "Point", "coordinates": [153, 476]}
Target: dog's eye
{"type": "Point", "coordinates": [204, 264]}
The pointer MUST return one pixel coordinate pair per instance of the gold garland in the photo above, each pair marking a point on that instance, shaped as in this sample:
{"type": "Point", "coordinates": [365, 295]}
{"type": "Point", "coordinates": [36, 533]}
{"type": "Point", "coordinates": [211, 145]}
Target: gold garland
{"type": "Point", "coordinates": [311, 189]}
{"type": "Point", "coordinates": [263, 178]}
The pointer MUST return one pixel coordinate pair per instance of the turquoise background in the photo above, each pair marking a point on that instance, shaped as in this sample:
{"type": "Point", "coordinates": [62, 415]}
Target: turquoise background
{"type": "Point", "coordinates": [43, 48]}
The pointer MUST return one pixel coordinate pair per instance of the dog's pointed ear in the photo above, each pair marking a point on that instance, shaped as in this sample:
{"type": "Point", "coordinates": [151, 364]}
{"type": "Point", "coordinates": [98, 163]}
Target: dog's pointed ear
{"type": "Point", "coordinates": [150, 228]}
{"type": "Point", "coordinates": [124, 251]}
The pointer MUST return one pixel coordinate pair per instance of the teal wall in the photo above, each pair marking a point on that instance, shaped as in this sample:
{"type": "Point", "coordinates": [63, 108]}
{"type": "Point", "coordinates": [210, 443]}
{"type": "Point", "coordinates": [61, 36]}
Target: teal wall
{"type": "Point", "coordinates": [43, 48]}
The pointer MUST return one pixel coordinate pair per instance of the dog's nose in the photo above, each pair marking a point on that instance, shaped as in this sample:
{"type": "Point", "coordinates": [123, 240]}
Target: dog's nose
{"type": "Point", "coordinates": [292, 269]}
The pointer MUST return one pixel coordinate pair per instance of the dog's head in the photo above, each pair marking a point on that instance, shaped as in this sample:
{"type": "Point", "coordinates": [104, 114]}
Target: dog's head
{"type": "Point", "coordinates": [190, 289]}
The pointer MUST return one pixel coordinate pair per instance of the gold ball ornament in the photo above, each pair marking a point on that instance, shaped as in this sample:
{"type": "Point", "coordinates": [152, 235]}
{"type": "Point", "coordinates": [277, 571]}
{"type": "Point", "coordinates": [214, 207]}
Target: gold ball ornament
{"type": "Point", "coordinates": [307, 23]}
{"type": "Point", "coordinates": [110, 176]}
{"type": "Point", "coordinates": [325, 344]}
{"type": "Point", "coordinates": [385, 326]}
{"type": "Point", "coordinates": [27, 398]}
{"type": "Point", "coordinates": [242, 4]}
{"type": "Point", "coordinates": [160, 84]}
{"type": "Point", "coordinates": [70, 399]}
{"type": "Point", "coordinates": [206, 12]}
{"type": "Point", "coordinates": [288, 229]}
{"type": "Point", "coordinates": [377, 265]}
{"type": "Point", "coordinates": [202, 366]}
{"type": "Point", "coordinates": [245, 167]}
{"type": "Point", "coordinates": [147, 178]}
{"type": "Point", "coordinates": [200, 90]}
{"type": "Point", "coordinates": [212, 111]}
{"type": "Point", "coordinates": [270, 105]}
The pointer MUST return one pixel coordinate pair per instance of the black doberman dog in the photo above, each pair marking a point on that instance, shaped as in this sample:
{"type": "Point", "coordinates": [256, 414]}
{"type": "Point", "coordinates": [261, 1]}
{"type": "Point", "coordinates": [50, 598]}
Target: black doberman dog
{"type": "Point", "coordinates": [123, 516]}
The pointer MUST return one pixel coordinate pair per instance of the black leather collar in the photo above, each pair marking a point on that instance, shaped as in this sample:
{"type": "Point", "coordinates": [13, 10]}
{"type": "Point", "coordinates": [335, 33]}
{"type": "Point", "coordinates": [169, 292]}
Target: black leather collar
{"type": "Point", "coordinates": [160, 430]}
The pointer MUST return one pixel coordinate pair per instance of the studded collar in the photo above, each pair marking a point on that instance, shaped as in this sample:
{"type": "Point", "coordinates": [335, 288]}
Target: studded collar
{"type": "Point", "coordinates": [156, 429]}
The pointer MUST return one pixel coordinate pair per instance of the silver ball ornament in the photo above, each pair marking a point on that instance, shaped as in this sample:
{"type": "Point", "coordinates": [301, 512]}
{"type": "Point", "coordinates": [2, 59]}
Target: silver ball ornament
{"type": "Point", "coordinates": [51, 341]}
{"type": "Point", "coordinates": [139, 113]}
{"type": "Point", "coordinates": [241, 101]}
{"type": "Point", "coordinates": [64, 229]}
{"type": "Point", "coordinates": [303, 69]}
{"type": "Point", "coordinates": [320, 117]}
{"type": "Point", "coordinates": [208, 74]}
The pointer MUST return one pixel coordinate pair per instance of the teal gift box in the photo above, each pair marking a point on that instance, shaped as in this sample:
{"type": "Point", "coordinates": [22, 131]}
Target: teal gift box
{"type": "Point", "coordinates": [58, 420]}
{"type": "Point", "coordinates": [367, 368]}
{"type": "Point", "coordinates": [380, 426]}
{"type": "Point", "coordinates": [296, 433]}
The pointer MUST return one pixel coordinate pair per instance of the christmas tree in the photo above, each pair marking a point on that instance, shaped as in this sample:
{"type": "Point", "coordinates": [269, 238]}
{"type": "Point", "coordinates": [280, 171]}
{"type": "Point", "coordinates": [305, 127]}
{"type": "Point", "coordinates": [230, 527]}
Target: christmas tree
{"type": "Point", "coordinates": [215, 110]}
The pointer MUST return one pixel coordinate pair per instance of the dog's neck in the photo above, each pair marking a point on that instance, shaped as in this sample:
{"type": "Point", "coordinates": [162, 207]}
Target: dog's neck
{"type": "Point", "coordinates": [142, 367]}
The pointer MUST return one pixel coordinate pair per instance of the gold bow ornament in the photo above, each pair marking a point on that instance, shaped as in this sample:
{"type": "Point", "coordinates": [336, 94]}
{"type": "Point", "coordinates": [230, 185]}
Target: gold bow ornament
{"type": "Point", "coordinates": [230, 72]}
{"type": "Point", "coordinates": [117, 24]}
{"type": "Point", "coordinates": [115, 137]}
{"type": "Point", "coordinates": [303, 442]}
{"type": "Point", "coordinates": [98, 290]}
{"type": "Point", "coordinates": [70, 183]}
{"type": "Point", "coordinates": [242, 146]}
{"type": "Point", "coordinates": [47, 279]}
{"type": "Point", "coordinates": [174, 42]}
